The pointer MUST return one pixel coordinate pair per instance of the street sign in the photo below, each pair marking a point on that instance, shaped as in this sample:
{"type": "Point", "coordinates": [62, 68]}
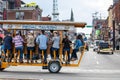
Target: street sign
{"type": "Point", "coordinates": [88, 26]}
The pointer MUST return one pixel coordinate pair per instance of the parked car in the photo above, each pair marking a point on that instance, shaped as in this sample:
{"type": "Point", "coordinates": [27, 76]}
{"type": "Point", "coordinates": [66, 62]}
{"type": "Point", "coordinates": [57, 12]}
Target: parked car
{"type": "Point", "coordinates": [96, 42]}
{"type": "Point", "coordinates": [104, 47]}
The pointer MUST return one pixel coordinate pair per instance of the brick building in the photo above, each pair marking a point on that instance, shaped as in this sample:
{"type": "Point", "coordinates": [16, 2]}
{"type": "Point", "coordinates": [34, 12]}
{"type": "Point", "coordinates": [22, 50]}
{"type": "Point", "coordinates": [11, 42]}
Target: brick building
{"type": "Point", "coordinates": [99, 27]}
{"type": "Point", "coordinates": [14, 11]}
{"type": "Point", "coordinates": [116, 17]}
{"type": "Point", "coordinates": [47, 18]}
{"type": "Point", "coordinates": [24, 13]}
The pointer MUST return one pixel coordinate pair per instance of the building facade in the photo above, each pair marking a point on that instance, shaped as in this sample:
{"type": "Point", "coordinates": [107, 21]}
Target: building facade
{"type": "Point", "coordinates": [24, 13]}
{"type": "Point", "coordinates": [1, 10]}
{"type": "Point", "coordinates": [47, 18]}
{"type": "Point", "coordinates": [116, 18]}
{"type": "Point", "coordinates": [14, 11]}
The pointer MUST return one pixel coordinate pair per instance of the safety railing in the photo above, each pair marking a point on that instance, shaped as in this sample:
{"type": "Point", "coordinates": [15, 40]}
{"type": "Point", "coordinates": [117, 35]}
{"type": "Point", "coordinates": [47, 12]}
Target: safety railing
{"type": "Point", "coordinates": [16, 59]}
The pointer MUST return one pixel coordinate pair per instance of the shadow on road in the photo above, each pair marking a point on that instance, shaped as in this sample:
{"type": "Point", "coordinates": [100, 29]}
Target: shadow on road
{"type": "Point", "coordinates": [39, 73]}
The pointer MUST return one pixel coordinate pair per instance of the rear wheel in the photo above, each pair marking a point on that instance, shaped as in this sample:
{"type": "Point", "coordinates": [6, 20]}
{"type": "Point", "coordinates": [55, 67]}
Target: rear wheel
{"type": "Point", "coordinates": [54, 66]}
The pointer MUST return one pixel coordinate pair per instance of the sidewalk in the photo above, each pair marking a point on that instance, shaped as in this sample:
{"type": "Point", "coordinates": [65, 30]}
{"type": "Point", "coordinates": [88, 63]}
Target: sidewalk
{"type": "Point", "coordinates": [117, 51]}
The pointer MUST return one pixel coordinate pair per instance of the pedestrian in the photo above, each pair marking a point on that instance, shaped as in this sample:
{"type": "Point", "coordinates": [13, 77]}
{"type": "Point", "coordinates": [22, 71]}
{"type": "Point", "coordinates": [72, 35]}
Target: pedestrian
{"type": "Point", "coordinates": [18, 41]}
{"type": "Point", "coordinates": [78, 43]}
{"type": "Point", "coordinates": [30, 45]}
{"type": "Point", "coordinates": [56, 45]}
{"type": "Point", "coordinates": [42, 40]}
{"type": "Point", "coordinates": [1, 37]}
{"type": "Point", "coordinates": [66, 47]}
{"type": "Point", "coordinates": [7, 42]}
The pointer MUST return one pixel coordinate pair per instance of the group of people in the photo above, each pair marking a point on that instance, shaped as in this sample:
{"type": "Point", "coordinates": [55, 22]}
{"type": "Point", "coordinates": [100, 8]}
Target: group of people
{"type": "Point", "coordinates": [42, 41]}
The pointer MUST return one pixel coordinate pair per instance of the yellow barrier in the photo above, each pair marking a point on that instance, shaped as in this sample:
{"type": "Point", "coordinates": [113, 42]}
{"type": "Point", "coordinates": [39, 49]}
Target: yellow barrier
{"type": "Point", "coordinates": [54, 53]}
{"type": "Point", "coordinates": [31, 55]}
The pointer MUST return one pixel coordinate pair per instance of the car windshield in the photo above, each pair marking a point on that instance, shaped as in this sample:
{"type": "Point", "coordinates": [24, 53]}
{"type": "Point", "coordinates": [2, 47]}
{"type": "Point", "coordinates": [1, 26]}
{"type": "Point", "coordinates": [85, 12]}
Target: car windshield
{"type": "Point", "coordinates": [104, 45]}
{"type": "Point", "coordinates": [97, 43]}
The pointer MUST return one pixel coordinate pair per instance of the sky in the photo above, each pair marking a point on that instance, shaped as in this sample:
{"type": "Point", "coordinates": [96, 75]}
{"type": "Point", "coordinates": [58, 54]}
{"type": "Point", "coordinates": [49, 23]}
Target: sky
{"type": "Point", "coordinates": [82, 9]}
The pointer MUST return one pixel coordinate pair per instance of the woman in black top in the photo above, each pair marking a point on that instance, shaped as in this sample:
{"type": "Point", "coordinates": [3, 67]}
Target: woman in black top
{"type": "Point", "coordinates": [66, 47]}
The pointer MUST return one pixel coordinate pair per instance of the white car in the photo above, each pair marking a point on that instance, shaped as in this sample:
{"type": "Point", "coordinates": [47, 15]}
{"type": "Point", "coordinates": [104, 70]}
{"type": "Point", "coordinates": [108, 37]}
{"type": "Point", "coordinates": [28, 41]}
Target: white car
{"type": "Point", "coordinates": [95, 48]}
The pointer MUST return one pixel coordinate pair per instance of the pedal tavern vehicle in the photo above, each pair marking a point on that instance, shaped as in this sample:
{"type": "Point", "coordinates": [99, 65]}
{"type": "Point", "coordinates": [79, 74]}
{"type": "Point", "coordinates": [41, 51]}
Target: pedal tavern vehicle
{"type": "Point", "coordinates": [53, 65]}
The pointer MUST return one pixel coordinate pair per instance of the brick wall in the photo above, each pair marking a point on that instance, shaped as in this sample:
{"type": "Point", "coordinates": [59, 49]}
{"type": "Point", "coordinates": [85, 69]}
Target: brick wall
{"type": "Point", "coordinates": [28, 14]}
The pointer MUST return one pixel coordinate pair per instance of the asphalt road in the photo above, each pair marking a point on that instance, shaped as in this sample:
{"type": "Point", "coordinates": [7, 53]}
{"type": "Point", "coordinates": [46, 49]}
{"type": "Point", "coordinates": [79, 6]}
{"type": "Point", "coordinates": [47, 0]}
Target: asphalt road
{"type": "Point", "coordinates": [93, 67]}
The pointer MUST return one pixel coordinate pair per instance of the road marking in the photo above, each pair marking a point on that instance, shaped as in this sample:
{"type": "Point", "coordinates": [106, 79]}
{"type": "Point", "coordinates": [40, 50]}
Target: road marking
{"type": "Point", "coordinates": [90, 71]}
{"type": "Point", "coordinates": [95, 57]}
{"type": "Point", "coordinates": [64, 69]}
{"type": "Point", "coordinates": [22, 79]}
{"type": "Point", "coordinates": [97, 62]}
{"type": "Point", "coordinates": [116, 54]}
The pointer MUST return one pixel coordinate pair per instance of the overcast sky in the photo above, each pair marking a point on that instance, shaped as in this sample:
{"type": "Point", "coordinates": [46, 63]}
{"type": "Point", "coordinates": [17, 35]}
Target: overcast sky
{"type": "Point", "coordinates": [82, 9]}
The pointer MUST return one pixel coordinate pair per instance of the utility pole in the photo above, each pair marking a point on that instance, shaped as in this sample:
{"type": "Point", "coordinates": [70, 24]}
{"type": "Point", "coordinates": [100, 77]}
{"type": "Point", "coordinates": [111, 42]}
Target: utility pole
{"type": "Point", "coordinates": [113, 34]}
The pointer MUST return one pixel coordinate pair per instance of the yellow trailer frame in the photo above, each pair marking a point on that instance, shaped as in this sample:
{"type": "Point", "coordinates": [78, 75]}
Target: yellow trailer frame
{"type": "Point", "coordinates": [53, 62]}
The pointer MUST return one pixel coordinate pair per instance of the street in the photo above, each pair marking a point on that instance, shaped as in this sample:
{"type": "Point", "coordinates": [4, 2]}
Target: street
{"type": "Point", "coordinates": [93, 67]}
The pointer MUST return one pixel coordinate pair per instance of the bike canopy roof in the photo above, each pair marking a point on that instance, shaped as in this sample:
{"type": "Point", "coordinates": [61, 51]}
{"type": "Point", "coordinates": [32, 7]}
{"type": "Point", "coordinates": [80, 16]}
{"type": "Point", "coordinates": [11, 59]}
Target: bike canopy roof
{"type": "Point", "coordinates": [43, 25]}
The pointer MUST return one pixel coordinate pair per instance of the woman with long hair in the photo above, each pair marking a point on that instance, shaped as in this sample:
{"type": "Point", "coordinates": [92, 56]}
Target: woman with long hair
{"type": "Point", "coordinates": [78, 43]}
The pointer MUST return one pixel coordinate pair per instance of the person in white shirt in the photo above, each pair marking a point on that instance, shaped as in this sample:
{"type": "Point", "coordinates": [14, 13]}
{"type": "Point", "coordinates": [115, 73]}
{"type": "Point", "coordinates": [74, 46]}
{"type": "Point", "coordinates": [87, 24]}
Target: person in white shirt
{"type": "Point", "coordinates": [56, 45]}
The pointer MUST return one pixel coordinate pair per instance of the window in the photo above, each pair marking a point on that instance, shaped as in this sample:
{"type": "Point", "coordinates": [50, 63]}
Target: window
{"type": "Point", "coordinates": [19, 15]}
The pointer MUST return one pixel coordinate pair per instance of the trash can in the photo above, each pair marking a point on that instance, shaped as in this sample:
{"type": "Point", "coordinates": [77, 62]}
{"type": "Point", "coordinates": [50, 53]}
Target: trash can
{"type": "Point", "coordinates": [117, 47]}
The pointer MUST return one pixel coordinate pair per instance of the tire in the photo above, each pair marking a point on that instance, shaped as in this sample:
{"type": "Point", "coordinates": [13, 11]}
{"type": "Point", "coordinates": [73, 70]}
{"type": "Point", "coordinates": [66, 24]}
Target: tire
{"type": "Point", "coordinates": [98, 52]}
{"type": "Point", "coordinates": [54, 66]}
{"type": "Point", "coordinates": [111, 53]}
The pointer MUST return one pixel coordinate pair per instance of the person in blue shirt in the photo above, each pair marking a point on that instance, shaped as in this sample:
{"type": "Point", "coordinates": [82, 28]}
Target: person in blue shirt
{"type": "Point", "coordinates": [42, 41]}
{"type": "Point", "coordinates": [78, 43]}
